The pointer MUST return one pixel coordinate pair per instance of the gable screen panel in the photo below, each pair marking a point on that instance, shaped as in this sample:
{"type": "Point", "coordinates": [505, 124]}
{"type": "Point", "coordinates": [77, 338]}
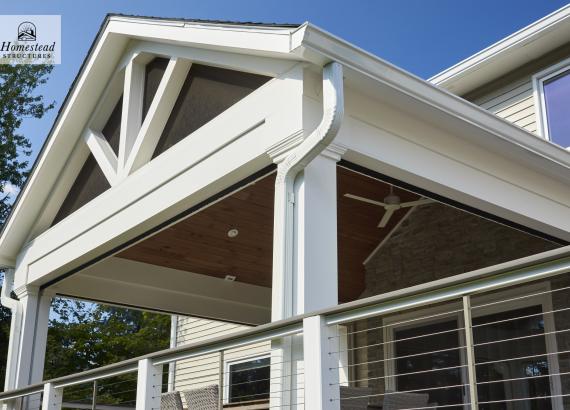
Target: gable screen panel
{"type": "Point", "coordinates": [206, 93]}
{"type": "Point", "coordinates": [153, 75]}
{"type": "Point", "coordinates": [91, 182]}
{"type": "Point", "coordinates": [112, 130]}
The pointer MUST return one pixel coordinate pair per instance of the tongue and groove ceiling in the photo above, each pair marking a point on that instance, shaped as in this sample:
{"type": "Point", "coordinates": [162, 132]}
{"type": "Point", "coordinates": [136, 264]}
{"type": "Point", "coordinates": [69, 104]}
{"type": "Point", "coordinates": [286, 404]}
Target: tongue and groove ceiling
{"type": "Point", "coordinates": [200, 243]}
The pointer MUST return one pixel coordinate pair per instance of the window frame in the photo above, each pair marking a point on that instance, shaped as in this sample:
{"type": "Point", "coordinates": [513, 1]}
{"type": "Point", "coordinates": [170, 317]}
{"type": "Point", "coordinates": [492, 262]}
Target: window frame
{"type": "Point", "coordinates": [538, 81]}
{"type": "Point", "coordinates": [232, 362]}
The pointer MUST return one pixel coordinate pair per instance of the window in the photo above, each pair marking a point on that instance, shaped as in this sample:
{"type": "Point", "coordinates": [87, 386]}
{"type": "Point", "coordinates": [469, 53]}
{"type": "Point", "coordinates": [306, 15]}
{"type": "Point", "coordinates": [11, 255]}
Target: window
{"type": "Point", "coordinates": [518, 366]}
{"type": "Point", "coordinates": [552, 90]}
{"type": "Point", "coordinates": [247, 380]}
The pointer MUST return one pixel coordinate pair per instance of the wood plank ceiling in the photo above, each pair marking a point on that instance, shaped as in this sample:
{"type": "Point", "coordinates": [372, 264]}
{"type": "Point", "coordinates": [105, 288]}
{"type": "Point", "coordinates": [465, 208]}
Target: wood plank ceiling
{"type": "Point", "coordinates": [201, 244]}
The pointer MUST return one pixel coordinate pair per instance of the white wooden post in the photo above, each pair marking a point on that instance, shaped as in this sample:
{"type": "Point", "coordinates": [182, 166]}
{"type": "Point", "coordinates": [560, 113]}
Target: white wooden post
{"type": "Point", "coordinates": [40, 337]}
{"type": "Point", "coordinates": [471, 371]}
{"type": "Point", "coordinates": [321, 365]}
{"type": "Point", "coordinates": [28, 338]}
{"type": "Point", "coordinates": [53, 397]}
{"type": "Point", "coordinates": [314, 284]}
{"type": "Point", "coordinates": [29, 298]}
{"type": "Point", "coordinates": [149, 385]}
{"type": "Point", "coordinates": [315, 270]}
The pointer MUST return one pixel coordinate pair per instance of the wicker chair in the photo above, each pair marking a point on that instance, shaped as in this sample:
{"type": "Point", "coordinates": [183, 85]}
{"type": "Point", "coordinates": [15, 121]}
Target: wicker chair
{"type": "Point", "coordinates": [171, 401]}
{"type": "Point", "coordinates": [204, 398]}
{"type": "Point", "coordinates": [397, 401]}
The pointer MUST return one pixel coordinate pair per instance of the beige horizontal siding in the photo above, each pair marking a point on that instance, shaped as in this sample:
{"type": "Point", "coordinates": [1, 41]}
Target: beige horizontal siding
{"type": "Point", "coordinates": [511, 97]}
{"type": "Point", "coordinates": [514, 102]}
{"type": "Point", "coordinates": [205, 370]}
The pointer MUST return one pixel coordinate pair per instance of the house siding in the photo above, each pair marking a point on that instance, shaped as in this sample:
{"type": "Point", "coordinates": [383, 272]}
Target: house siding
{"type": "Point", "coordinates": [512, 96]}
{"type": "Point", "coordinates": [205, 370]}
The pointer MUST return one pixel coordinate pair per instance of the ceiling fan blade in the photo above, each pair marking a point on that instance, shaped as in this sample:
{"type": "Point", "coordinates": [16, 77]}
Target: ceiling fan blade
{"type": "Point", "coordinates": [422, 201]}
{"type": "Point", "coordinates": [362, 199]}
{"type": "Point", "coordinates": [386, 218]}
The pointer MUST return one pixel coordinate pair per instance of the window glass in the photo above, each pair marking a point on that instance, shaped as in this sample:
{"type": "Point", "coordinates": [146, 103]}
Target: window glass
{"type": "Point", "coordinates": [249, 380]}
{"type": "Point", "coordinates": [557, 102]}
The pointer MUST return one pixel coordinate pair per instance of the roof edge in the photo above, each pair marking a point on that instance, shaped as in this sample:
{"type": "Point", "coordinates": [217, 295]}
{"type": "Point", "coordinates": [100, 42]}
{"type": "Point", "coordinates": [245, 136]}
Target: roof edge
{"type": "Point", "coordinates": [489, 55]}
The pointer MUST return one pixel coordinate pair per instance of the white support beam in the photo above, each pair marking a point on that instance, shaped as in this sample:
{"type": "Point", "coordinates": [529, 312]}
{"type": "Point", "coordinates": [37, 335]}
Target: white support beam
{"type": "Point", "coordinates": [131, 119]}
{"type": "Point", "coordinates": [53, 397]}
{"type": "Point", "coordinates": [122, 281]}
{"type": "Point", "coordinates": [157, 115]}
{"type": "Point", "coordinates": [322, 391]}
{"type": "Point", "coordinates": [103, 153]}
{"type": "Point", "coordinates": [149, 385]}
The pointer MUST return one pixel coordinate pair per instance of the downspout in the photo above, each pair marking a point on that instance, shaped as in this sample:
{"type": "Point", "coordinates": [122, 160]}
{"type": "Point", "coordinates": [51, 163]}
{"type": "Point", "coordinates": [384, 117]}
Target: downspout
{"type": "Point", "coordinates": [295, 162]}
{"type": "Point", "coordinates": [14, 305]}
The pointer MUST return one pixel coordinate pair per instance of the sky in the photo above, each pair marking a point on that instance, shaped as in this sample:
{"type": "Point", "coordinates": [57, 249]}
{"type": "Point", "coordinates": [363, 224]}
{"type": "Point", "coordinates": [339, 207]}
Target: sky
{"type": "Point", "coordinates": [421, 36]}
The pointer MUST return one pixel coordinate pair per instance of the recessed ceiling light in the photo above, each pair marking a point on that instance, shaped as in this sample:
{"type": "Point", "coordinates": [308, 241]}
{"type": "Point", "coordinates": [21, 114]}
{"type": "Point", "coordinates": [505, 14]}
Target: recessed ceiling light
{"type": "Point", "coordinates": [230, 278]}
{"type": "Point", "coordinates": [232, 233]}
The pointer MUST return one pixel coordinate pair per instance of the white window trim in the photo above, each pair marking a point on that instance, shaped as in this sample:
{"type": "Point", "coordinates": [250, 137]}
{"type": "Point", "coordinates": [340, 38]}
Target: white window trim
{"type": "Point", "coordinates": [229, 363]}
{"type": "Point", "coordinates": [544, 298]}
{"type": "Point", "coordinates": [538, 90]}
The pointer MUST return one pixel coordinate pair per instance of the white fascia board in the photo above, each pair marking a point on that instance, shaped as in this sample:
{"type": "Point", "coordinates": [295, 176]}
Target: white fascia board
{"type": "Point", "coordinates": [319, 46]}
{"type": "Point", "coordinates": [507, 54]}
{"type": "Point", "coordinates": [220, 153]}
{"type": "Point", "coordinates": [242, 39]}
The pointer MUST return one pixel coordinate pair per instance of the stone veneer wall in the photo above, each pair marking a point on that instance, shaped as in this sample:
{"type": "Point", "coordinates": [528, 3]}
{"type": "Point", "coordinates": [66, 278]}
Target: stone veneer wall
{"type": "Point", "coordinates": [434, 242]}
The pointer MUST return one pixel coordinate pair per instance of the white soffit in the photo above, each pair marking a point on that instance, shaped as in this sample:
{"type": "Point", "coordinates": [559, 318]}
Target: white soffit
{"type": "Point", "coordinates": [519, 48]}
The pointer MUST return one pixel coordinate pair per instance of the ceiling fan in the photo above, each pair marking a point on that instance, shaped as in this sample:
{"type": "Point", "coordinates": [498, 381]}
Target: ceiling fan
{"type": "Point", "coordinates": [391, 204]}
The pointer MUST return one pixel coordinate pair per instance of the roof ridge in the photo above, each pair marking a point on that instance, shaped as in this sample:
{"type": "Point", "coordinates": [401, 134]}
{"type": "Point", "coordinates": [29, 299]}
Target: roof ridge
{"type": "Point", "coordinates": [209, 21]}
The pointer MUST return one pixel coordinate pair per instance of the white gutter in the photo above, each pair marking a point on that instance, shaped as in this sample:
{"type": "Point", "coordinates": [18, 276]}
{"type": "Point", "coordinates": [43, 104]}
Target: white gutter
{"type": "Point", "coordinates": [295, 162]}
{"type": "Point", "coordinates": [14, 305]}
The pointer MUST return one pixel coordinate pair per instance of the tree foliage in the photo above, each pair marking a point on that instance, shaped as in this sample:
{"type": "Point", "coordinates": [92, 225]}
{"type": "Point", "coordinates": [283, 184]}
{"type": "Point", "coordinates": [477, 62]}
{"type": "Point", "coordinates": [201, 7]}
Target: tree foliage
{"type": "Point", "coordinates": [84, 336]}
{"type": "Point", "coordinates": [18, 100]}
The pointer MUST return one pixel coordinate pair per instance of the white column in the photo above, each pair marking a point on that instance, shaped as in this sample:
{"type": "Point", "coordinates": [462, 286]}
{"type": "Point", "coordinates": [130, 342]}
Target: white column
{"type": "Point", "coordinates": [321, 365]}
{"type": "Point", "coordinates": [315, 272]}
{"type": "Point", "coordinates": [29, 302]}
{"type": "Point", "coordinates": [149, 386]}
{"type": "Point", "coordinates": [40, 338]}
{"type": "Point", "coordinates": [314, 281]}
{"type": "Point", "coordinates": [53, 397]}
{"type": "Point", "coordinates": [32, 339]}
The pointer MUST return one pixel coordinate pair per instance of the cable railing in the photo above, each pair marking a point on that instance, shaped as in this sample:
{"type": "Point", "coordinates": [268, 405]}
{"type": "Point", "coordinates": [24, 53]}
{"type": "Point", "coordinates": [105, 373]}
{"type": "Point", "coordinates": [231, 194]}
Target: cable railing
{"type": "Point", "coordinates": [482, 340]}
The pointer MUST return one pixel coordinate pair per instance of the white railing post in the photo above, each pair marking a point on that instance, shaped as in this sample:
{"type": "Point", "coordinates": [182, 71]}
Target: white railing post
{"type": "Point", "coordinates": [149, 385]}
{"type": "Point", "coordinates": [472, 374]}
{"type": "Point", "coordinates": [322, 390]}
{"type": "Point", "coordinates": [53, 397]}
